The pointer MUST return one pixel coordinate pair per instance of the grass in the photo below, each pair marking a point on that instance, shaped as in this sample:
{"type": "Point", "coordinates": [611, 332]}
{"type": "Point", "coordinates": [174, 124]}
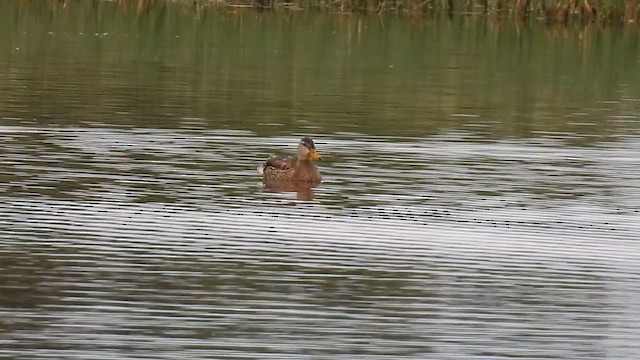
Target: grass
{"type": "Point", "coordinates": [544, 10]}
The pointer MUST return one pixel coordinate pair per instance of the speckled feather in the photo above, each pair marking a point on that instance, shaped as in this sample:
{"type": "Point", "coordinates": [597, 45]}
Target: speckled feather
{"type": "Point", "coordinates": [289, 168]}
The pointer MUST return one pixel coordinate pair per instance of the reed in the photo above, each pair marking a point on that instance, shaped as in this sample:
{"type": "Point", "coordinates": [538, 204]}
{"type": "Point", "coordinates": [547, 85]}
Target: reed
{"type": "Point", "coordinates": [552, 11]}
{"type": "Point", "coordinates": [545, 10]}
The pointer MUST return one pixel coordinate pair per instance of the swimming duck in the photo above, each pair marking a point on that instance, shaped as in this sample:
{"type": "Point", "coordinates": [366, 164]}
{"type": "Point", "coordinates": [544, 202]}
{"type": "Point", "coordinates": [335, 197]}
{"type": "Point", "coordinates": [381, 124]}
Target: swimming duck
{"type": "Point", "coordinates": [298, 168]}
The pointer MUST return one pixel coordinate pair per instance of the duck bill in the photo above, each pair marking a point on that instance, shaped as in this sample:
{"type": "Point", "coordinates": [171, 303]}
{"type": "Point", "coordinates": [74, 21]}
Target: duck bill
{"type": "Point", "coordinates": [314, 155]}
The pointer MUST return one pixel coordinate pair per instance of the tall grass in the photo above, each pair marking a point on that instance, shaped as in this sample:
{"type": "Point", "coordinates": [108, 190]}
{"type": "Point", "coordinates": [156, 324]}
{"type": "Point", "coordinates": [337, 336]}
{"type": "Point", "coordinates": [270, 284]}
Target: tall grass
{"type": "Point", "coordinates": [553, 11]}
{"type": "Point", "coordinates": [544, 10]}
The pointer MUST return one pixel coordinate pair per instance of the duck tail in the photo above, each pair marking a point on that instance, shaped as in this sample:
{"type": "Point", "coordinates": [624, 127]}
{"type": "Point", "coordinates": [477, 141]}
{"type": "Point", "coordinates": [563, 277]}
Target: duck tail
{"type": "Point", "coordinates": [261, 169]}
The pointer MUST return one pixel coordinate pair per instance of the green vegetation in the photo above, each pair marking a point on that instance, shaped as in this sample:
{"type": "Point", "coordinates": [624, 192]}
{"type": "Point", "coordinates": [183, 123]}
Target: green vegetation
{"type": "Point", "coordinates": [555, 11]}
{"type": "Point", "coordinates": [561, 11]}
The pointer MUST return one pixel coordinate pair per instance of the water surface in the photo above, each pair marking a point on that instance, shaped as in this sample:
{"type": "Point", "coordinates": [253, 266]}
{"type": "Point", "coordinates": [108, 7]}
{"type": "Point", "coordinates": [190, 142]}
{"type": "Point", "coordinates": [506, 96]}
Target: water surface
{"type": "Point", "coordinates": [480, 195]}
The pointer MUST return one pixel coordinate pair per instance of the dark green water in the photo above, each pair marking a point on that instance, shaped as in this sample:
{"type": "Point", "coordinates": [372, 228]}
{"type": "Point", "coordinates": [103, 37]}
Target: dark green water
{"type": "Point", "coordinates": [480, 195]}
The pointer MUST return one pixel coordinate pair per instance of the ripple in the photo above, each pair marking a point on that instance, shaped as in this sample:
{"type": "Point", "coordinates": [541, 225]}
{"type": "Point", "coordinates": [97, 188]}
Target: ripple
{"type": "Point", "coordinates": [147, 241]}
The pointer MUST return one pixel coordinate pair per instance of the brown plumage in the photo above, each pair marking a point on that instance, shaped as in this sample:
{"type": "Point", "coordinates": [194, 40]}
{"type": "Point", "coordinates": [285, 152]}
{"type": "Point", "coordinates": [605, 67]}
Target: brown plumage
{"type": "Point", "coordinates": [298, 168]}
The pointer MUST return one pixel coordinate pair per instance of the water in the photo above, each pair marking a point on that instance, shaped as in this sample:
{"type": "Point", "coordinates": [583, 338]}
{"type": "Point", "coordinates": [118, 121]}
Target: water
{"type": "Point", "coordinates": [480, 195]}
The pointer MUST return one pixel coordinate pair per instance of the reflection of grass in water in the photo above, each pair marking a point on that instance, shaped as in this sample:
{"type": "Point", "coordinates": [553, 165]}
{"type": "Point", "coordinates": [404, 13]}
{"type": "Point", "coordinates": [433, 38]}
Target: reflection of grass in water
{"type": "Point", "coordinates": [554, 11]}
{"type": "Point", "coordinates": [561, 11]}
{"type": "Point", "coordinates": [275, 73]}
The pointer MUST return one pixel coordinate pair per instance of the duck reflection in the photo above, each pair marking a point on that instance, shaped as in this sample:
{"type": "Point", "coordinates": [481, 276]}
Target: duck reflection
{"type": "Point", "coordinates": [304, 190]}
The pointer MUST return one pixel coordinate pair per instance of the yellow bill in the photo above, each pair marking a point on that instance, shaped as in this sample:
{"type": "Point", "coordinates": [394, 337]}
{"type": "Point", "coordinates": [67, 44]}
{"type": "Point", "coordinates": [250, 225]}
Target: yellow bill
{"type": "Point", "coordinates": [313, 154]}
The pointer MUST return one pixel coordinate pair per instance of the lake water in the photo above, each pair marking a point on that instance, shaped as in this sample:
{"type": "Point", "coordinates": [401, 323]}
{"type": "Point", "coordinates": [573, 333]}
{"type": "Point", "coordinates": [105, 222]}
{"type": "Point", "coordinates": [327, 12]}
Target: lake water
{"type": "Point", "coordinates": [480, 200]}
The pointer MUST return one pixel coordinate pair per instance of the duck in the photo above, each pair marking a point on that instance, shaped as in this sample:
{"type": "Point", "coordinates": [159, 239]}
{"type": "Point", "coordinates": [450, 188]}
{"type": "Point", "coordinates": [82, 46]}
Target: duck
{"type": "Point", "coordinates": [299, 168]}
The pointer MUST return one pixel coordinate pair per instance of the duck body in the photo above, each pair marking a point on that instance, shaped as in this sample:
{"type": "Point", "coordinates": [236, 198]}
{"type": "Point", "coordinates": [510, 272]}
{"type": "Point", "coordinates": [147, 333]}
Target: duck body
{"type": "Point", "coordinates": [289, 168]}
{"type": "Point", "coordinates": [298, 168]}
